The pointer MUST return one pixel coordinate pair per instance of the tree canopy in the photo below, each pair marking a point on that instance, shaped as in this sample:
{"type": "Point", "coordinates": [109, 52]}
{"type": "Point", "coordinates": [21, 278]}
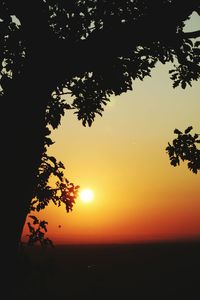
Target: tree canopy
{"type": "Point", "coordinates": [95, 48]}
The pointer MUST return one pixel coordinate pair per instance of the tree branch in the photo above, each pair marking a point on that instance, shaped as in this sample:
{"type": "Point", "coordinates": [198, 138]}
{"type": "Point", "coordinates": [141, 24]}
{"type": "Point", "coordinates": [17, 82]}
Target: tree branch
{"type": "Point", "coordinates": [192, 35]}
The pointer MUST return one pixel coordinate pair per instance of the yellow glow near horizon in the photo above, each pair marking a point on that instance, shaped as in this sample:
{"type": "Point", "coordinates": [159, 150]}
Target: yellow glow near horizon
{"type": "Point", "coordinates": [86, 195]}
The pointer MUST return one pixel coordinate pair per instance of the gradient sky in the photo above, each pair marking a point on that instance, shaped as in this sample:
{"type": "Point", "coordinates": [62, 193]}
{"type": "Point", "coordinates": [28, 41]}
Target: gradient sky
{"type": "Point", "coordinates": [139, 196]}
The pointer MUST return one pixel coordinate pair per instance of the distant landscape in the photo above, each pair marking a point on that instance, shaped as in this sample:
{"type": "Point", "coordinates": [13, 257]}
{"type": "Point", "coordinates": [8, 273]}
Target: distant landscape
{"type": "Point", "coordinates": [167, 270]}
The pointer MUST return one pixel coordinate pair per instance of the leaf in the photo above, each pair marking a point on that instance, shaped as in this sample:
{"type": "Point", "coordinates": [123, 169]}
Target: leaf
{"type": "Point", "coordinates": [171, 71]}
{"type": "Point", "coordinates": [177, 131]}
{"type": "Point", "coordinates": [176, 83]}
{"type": "Point", "coordinates": [53, 159]}
{"type": "Point", "coordinates": [188, 129]}
{"type": "Point", "coordinates": [43, 225]}
{"type": "Point", "coordinates": [189, 42]}
{"type": "Point", "coordinates": [186, 47]}
{"type": "Point", "coordinates": [175, 161]}
{"type": "Point", "coordinates": [35, 220]}
{"type": "Point", "coordinates": [183, 84]}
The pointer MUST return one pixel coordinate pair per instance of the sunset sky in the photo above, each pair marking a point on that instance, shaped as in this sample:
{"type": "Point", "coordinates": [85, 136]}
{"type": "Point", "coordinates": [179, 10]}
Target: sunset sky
{"type": "Point", "coordinates": [138, 195]}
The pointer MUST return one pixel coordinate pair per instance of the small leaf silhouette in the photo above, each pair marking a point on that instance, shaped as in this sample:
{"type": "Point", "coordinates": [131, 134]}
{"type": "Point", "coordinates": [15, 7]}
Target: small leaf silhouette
{"type": "Point", "coordinates": [188, 129]}
{"type": "Point", "coordinates": [177, 131]}
{"type": "Point", "coordinates": [183, 84]}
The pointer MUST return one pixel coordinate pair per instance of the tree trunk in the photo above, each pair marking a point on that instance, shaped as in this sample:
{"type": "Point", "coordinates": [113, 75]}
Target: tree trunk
{"type": "Point", "coordinates": [23, 124]}
{"type": "Point", "coordinates": [22, 136]}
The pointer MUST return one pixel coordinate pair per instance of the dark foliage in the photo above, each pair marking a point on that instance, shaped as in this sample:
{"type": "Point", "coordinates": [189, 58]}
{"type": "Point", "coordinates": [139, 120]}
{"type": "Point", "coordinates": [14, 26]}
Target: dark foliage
{"type": "Point", "coordinates": [64, 192]}
{"type": "Point", "coordinates": [37, 232]}
{"type": "Point", "coordinates": [113, 43]}
{"type": "Point", "coordinates": [184, 148]}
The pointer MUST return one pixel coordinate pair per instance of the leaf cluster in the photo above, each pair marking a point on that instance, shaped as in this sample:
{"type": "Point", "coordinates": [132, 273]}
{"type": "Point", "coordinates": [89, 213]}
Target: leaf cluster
{"type": "Point", "coordinates": [56, 108]}
{"type": "Point", "coordinates": [63, 192]}
{"type": "Point", "coordinates": [12, 48]}
{"type": "Point", "coordinates": [185, 148]}
{"type": "Point", "coordinates": [188, 68]}
{"type": "Point", "coordinates": [76, 19]}
{"type": "Point", "coordinates": [37, 233]}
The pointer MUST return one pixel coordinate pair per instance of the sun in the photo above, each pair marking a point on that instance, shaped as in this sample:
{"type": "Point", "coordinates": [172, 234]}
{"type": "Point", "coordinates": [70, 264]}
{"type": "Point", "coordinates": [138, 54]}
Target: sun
{"type": "Point", "coordinates": [86, 195]}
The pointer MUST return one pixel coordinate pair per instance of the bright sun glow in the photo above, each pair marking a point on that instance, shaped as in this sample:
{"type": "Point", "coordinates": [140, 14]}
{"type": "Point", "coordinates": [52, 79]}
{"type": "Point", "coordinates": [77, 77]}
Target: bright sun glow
{"type": "Point", "coordinates": [86, 195]}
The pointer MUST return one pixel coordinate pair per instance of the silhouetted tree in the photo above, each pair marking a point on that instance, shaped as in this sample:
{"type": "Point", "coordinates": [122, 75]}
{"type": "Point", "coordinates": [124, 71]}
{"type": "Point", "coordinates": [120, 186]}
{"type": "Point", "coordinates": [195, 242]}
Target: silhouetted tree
{"type": "Point", "coordinates": [74, 54]}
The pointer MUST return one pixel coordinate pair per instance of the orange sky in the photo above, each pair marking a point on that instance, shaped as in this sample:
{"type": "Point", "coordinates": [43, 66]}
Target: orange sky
{"type": "Point", "coordinates": [122, 158]}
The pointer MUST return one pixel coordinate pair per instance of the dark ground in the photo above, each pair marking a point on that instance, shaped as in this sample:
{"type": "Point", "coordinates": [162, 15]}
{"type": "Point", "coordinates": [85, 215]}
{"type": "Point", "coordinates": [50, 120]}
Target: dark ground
{"type": "Point", "coordinates": [149, 271]}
